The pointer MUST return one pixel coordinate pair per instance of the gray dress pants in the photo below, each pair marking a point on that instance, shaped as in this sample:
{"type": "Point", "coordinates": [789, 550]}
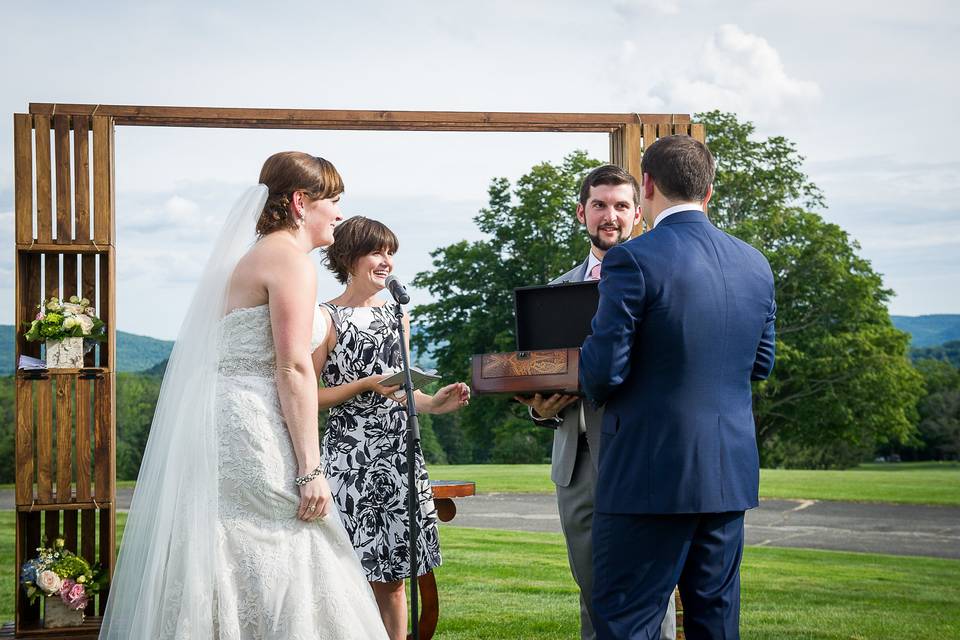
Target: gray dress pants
{"type": "Point", "coordinates": [575, 503]}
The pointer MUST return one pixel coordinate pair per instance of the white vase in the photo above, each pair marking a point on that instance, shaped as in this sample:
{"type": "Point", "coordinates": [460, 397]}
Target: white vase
{"type": "Point", "coordinates": [65, 354]}
{"type": "Point", "coordinates": [56, 613]}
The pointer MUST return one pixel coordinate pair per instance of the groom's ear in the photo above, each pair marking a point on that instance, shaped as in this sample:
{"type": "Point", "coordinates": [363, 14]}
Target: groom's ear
{"type": "Point", "coordinates": [647, 187]}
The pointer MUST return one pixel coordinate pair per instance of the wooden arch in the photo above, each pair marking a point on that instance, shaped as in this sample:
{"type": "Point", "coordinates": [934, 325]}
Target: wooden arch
{"type": "Point", "coordinates": [65, 221]}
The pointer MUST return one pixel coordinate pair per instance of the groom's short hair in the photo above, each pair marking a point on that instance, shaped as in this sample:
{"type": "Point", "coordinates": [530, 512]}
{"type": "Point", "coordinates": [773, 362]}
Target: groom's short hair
{"type": "Point", "coordinates": [609, 174]}
{"type": "Point", "coordinates": [682, 167]}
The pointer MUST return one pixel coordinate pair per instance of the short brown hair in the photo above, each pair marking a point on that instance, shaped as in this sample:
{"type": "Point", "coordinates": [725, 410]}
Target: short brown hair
{"type": "Point", "coordinates": [608, 174]}
{"type": "Point", "coordinates": [289, 171]}
{"type": "Point", "coordinates": [682, 167]}
{"type": "Point", "coordinates": [353, 239]}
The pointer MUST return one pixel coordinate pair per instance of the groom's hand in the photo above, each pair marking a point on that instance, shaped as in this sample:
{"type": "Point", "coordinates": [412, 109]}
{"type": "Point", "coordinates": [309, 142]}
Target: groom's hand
{"type": "Point", "coordinates": [545, 408]}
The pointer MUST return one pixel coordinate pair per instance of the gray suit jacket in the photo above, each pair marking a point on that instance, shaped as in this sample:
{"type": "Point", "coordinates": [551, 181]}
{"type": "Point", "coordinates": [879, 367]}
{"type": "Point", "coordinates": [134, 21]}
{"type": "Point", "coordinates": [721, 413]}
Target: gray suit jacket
{"type": "Point", "coordinates": [565, 438]}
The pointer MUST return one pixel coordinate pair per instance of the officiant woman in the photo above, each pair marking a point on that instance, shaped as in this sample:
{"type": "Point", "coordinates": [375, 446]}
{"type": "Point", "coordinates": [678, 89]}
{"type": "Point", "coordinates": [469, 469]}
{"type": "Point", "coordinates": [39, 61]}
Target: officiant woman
{"type": "Point", "coordinates": [365, 441]}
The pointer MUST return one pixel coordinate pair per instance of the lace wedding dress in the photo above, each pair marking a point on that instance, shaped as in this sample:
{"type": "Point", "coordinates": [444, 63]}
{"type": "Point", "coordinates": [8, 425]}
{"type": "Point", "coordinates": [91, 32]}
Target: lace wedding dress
{"type": "Point", "coordinates": [281, 577]}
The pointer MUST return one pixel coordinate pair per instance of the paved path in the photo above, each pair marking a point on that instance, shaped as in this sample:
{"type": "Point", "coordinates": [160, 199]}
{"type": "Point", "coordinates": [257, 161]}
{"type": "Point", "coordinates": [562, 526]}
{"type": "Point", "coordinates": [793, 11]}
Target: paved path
{"type": "Point", "coordinates": [843, 526]}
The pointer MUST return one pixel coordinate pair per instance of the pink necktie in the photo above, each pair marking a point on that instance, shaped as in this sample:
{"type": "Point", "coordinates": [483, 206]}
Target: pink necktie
{"type": "Point", "coordinates": [595, 272]}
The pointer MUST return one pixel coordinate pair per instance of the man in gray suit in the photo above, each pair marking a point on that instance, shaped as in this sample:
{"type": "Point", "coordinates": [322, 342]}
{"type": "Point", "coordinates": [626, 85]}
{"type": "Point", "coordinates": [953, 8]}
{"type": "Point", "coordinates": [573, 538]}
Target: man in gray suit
{"type": "Point", "coordinates": [609, 208]}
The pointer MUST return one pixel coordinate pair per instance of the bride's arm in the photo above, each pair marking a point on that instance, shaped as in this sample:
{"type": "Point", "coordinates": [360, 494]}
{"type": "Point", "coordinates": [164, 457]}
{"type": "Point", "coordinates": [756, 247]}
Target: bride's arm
{"type": "Point", "coordinates": [332, 396]}
{"type": "Point", "coordinates": [291, 287]}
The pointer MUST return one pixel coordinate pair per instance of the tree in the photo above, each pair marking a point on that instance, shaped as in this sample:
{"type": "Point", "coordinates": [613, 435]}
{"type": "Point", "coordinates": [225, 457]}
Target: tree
{"type": "Point", "coordinates": [842, 384]}
{"type": "Point", "coordinates": [938, 435]}
{"type": "Point", "coordinates": [532, 237]}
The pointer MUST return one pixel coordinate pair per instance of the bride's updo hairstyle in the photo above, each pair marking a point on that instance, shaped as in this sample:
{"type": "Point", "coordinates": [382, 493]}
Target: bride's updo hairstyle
{"type": "Point", "coordinates": [289, 171]}
{"type": "Point", "coordinates": [353, 239]}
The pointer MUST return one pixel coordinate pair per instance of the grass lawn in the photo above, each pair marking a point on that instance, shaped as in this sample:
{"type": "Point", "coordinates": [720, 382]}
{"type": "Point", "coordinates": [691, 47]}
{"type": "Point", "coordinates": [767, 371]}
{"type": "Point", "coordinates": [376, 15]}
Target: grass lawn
{"type": "Point", "coordinates": [504, 584]}
{"type": "Point", "coordinates": [906, 482]}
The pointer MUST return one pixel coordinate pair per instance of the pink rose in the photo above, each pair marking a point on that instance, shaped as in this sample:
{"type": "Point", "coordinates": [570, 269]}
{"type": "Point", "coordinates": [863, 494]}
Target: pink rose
{"type": "Point", "coordinates": [74, 596]}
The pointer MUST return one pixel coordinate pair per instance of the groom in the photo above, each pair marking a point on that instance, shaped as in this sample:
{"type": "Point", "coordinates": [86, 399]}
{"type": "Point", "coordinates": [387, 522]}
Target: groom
{"type": "Point", "coordinates": [608, 208]}
{"type": "Point", "coordinates": [685, 322]}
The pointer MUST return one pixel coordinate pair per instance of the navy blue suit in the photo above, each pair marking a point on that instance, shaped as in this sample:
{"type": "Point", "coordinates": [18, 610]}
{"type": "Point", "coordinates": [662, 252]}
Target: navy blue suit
{"type": "Point", "coordinates": [685, 322]}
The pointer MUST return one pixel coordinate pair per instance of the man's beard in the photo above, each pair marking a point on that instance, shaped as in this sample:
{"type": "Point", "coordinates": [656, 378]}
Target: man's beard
{"type": "Point", "coordinates": [603, 245]}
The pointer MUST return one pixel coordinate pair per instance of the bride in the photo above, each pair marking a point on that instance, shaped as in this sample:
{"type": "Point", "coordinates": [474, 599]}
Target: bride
{"type": "Point", "coordinates": [231, 532]}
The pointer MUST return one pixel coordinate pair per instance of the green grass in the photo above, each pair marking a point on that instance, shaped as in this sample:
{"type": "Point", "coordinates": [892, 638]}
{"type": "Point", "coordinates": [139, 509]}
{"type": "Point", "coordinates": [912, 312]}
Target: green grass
{"type": "Point", "coordinates": [504, 584]}
{"type": "Point", "coordinates": [908, 482]}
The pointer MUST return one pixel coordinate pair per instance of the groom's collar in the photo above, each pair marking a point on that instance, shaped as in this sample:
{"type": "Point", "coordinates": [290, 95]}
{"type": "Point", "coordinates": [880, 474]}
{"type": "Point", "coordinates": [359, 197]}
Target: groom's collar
{"type": "Point", "coordinates": [686, 206]}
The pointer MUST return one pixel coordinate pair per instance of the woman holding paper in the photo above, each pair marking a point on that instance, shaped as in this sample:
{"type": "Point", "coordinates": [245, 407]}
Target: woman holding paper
{"type": "Point", "coordinates": [365, 440]}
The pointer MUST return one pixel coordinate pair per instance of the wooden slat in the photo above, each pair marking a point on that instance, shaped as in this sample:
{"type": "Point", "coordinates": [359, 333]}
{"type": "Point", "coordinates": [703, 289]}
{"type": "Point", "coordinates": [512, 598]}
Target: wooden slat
{"type": "Point", "coordinates": [88, 542]}
{"type": "Point", "coordinates": [649, 135]}
{"type": "Point", "coordinates": [632, 150]}
{"type": "Point", "coordinates": [23, 175]}
{"type": "Point", "coordinates": [64, 439]}
{"type": "Point", "coordinates": [28, 295]}
{"type": "Point", "coordinates": [108, 545]}
{"type": "Point", "coordinates": [107, 311]}
{"type": "Point", "coordinates": [44, 440]}
{"type": "Point", "coordinates": [83, 440]}
{"type": "Point", "coordinates": [61, 143]}
{"type": "Point", "coordinates": [681, 129]}
{"type": "Point", "coordinates": [51, 526]}
{"type": "Point", "coordinates": [102, 180]}
{"type": "Point", "coordinates": [133, 115]}
{"type": "Point", "coordinates": [70, 261]}
{"type": "Point", "coordinates": [664, 129]}
{"type": "Point", "coordinates": [48, 247]}
{"type": "Point", "coordinates": [69, 506]}
{"type": "Point", "coordinates": [24, 441]}
{"type": "Point", "coordinates": [699, 132]}
{"type": "Point", "coordinates": [81, 178]}
{"type": "Point", "coordinates": [51, 275]}
{"type": "Point", "coordinates": [88, 290]}
{"type": "Point", "coordinates": [44, 184]}
{"type": "Point", "coordinates": [103, 479]}
{"type": "Point", "coordinates": [616, 147]}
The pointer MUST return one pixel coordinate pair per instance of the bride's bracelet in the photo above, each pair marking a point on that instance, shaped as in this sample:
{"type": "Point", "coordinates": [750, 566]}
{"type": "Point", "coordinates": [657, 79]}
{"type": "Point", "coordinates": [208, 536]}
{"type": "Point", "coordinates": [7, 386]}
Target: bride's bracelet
{"type": "Point", "coordinates": [302, 480]}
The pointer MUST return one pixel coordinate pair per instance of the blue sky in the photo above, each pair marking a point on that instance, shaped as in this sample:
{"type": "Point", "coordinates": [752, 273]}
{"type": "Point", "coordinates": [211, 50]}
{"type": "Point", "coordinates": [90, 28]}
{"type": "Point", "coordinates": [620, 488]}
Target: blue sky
{"type": "Point", "coordinates": [863, 88]}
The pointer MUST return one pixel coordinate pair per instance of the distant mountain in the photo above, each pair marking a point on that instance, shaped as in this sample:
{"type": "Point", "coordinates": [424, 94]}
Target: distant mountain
{"type": "Point", "coordinates": [134, 353]}
{"type": "Point", "coordinates": [931, 330]}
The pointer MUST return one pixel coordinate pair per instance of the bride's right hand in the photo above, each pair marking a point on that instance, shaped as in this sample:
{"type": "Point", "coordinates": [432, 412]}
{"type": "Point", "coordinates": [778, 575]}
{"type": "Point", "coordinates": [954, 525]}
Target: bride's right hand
{"type": "Point", "coordinates": [373, 384]}
{"type": "Point", "coordinates": [316, 494]}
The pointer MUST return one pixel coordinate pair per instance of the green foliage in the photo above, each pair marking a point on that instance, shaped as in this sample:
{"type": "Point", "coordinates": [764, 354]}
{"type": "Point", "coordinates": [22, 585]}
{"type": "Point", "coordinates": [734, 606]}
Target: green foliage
{"type": "Point", "coordinates": [754, 177]}
{"type": "Point", "coordinates": [137, 395]}
{"type": "Point", "coordinates": [842, 384]}
{"type": "Point", "coordinates": [947, 352]}
{"type": "Point", "coordinates": [533, 236]}
{"type": "Point", "coordinates": [938, 434]}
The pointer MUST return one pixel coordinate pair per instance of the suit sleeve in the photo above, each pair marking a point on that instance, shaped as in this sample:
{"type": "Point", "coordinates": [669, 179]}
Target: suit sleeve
{"type": "Point", "coordinates": [763, 363]}
{"type": "Point", "coordinates": [605, 357]}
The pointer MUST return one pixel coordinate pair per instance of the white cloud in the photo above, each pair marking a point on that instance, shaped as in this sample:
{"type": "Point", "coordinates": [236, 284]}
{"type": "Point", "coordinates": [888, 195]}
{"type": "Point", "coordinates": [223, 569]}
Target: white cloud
{"type": "Point", "coordinates": [741, 72]}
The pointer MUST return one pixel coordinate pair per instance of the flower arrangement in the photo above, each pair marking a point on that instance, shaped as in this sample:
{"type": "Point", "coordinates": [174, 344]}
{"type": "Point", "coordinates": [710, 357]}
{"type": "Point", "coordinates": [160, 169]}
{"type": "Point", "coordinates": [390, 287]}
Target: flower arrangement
{"type": "Point", "coordinates": [57, 320]}
{"type": "Point", "coordinates": [58, 572]}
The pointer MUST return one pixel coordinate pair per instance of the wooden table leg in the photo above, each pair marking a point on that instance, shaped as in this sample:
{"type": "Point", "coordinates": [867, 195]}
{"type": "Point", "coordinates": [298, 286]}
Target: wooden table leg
{"type": "Point", "coordinates": [429, 606]}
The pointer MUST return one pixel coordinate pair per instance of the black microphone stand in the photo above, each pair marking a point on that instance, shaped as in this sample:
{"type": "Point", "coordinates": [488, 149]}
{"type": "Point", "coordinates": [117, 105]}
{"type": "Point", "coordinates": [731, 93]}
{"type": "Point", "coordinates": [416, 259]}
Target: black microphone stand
{"type": "Point", "coordinates": [413, 502]}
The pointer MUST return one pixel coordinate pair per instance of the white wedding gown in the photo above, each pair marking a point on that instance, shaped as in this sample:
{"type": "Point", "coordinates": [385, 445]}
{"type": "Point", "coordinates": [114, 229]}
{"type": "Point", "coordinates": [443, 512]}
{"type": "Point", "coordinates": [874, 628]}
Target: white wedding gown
{"type": "Point", "coordinates": [279, 577]}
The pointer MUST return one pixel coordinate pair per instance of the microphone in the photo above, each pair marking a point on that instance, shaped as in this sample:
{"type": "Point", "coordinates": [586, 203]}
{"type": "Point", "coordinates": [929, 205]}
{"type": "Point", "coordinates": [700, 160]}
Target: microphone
{"type": "Point", "coordinates": [397, 290]}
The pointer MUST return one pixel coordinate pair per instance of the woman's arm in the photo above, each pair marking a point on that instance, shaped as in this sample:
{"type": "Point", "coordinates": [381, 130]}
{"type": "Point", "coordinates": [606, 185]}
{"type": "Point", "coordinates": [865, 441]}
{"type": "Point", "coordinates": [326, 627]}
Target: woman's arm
{"type": "Point", "coordinates": [291, 285]}
{"type": "Point", "coordinates": [449, 398]}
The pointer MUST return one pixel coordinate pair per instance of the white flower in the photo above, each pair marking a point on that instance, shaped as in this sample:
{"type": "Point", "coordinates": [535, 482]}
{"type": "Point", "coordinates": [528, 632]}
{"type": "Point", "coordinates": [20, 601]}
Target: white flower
{"type": "Point", "coordinates": [49, 582]}
{"type": "Point", "coordinates": [71, 321]}
{"type": "Point", "coordinates": [86, 323]}
{"type": "Point", "coordinates": [84, 302]}
{"type": "Point", "coordinates": [53, 305]}
{"type": "Point", "coordinates": [73, 309]}
{"type": "Point", "coordinates": [74, 299]}
{"type": "Point", "coordinates": [90, 311]}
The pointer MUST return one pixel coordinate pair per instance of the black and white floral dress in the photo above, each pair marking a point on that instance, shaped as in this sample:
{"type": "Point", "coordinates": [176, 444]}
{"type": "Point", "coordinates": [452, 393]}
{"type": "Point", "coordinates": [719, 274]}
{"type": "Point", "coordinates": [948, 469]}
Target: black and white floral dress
{"type": "Point", "coordinates": [365, 450]}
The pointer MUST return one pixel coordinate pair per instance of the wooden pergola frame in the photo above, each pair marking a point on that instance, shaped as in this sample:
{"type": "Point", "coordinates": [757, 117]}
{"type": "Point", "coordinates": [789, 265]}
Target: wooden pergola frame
{"type": "Point", "coordinates": [70, 414]}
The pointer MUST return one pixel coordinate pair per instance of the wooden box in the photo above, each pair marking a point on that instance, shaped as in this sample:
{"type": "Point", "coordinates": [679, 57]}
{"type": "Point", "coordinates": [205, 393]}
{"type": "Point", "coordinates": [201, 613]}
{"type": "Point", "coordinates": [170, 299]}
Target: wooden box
{"type": "Point", "coordinates": [527, 372]}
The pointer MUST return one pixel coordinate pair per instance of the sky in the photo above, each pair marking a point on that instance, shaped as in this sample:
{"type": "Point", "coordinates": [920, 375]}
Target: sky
{"type": "Point", "coordinates": [862, 88]}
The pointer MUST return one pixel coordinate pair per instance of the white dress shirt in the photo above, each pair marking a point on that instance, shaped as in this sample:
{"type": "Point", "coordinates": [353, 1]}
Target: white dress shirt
{"type": "Point", "coordinates": [686, 206]}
